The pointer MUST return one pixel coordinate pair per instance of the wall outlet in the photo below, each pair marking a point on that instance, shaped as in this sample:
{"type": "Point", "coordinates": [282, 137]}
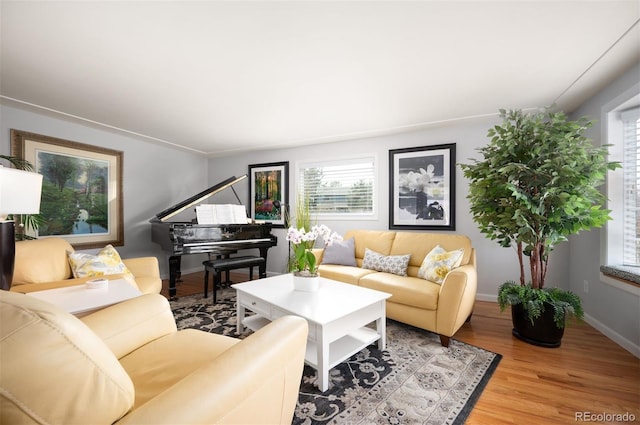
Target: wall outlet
{"type": "Point", "coordinates": [586, 286]}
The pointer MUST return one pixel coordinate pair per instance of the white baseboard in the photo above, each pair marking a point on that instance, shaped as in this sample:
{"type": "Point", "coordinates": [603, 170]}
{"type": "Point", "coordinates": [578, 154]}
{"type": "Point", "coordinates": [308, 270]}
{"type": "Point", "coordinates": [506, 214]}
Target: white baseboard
{"type": "Point", "coordinates": [165, 276]}
{"type": "Point", "coordinates": [487, 297]}
{"type": "Point", "coordinates": [599, 326]}
{"type": "Point", "coordinates": [613, 335]}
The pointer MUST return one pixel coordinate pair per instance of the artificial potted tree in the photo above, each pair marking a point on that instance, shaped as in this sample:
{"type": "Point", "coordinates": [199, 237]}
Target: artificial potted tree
{"type": "Point", "coordinates": [536, 185]}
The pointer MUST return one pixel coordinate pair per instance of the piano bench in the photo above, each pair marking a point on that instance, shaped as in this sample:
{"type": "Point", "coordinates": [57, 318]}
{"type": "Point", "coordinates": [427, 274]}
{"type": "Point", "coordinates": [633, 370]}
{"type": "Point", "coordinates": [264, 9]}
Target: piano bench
{"type": "Point", "coordinates": [232, 263]}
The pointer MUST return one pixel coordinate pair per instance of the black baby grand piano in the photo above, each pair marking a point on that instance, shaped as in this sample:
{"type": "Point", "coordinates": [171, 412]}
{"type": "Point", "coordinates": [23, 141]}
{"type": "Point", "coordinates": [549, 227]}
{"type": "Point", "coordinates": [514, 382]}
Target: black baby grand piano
{"type": "Point", "coordinates": [185, 238]}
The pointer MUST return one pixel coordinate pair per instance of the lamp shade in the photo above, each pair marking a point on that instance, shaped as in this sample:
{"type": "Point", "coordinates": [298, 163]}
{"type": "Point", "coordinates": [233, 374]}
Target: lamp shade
{"type": "Point", "coordinates": [20, 192]}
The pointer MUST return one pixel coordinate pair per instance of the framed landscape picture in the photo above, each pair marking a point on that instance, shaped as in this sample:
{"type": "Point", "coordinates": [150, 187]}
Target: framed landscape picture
{"type": "Point", "coordinates": [422, 188]}
{"type": "Point", "coordinates": [269, 192]}
{"type": "Point", "coordinates": [81, 189]}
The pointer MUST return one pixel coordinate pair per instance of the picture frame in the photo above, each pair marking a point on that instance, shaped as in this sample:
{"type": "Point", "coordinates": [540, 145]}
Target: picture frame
{"type": "Point", "coordinates": [81, 189]}
{"type": "Point", "coordinates": [269, 192]}
{"type": "Point", "coordinates": [422, 187]}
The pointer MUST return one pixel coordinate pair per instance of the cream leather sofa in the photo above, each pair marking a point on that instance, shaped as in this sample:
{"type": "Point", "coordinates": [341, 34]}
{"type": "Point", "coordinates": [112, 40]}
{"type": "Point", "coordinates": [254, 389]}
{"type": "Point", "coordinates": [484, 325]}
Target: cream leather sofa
{"type": "Point", "coordinates": [43, 264]}
{"type": "Point", "coordinates": [127, 364]}
{"type": "Point", "coordinates": [440, 308]}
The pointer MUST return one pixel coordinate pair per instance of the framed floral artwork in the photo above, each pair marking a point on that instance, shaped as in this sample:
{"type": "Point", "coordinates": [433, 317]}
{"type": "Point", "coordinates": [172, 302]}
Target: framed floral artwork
{"type": "Point", "coordinates": [422, 188]}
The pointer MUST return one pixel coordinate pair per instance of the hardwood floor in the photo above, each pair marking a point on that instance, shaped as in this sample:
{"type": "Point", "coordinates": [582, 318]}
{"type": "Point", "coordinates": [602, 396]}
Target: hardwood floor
{"type": "Point", "coordinates": [588, 375]}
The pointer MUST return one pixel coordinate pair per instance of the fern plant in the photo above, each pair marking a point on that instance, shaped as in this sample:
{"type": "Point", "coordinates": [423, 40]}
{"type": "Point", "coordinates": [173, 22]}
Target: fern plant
{"type": "Point", "coordinates": [565, 304]}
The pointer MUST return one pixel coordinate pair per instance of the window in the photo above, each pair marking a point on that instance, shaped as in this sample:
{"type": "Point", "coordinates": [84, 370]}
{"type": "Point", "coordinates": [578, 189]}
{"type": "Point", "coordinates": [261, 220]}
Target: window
{"type": "Point", "coordinates": [342, 188]}
{"type": "Point", "coordinates": [623, 230]}
{"type": "Point", "coordinates": [631, 179]}
{"type": "Point", "coordinates": [622, 263]}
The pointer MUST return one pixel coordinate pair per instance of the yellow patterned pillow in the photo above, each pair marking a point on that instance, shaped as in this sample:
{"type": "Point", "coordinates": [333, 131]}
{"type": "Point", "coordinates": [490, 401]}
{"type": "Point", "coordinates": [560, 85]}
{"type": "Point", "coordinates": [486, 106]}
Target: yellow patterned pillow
{"type": "Point", "coordinates": [106, 262]}
{"type": "Point", "coordinates": [438, 263]}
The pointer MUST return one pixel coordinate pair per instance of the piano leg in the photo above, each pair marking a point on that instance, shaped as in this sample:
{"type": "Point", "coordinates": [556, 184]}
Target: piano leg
{"type": "Point", "coordinates": [262, 269]}
{"type": "Point", "coordinates": [174, 274]}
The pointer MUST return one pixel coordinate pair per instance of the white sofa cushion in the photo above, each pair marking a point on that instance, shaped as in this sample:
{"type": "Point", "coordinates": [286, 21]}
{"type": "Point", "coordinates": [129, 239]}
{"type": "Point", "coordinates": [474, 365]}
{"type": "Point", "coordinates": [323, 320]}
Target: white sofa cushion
{"type": "Point", "coordinates": [396, 264]}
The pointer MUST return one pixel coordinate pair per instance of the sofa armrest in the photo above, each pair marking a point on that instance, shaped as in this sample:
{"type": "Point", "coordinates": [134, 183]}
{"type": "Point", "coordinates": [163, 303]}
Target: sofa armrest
{"type": "Point", "coordinates": [255, 381]}
{"type": "Point", "coordinates": [143, 266]}
{"type": "Point", "coordinates": [457, 298]}
{"type": "Point", "coordinates": [128, 325]}
{"type": "Point", "coordinates": [146, 273]}
{"type": "Point", "coordinates": [318, 253]}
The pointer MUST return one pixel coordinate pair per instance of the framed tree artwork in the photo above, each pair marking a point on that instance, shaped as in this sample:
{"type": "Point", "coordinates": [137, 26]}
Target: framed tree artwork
{"type": "Point", "coordinates": [81, 189]}
{"type": "Point", "coordinates": [269, 192]}
{"type": "Point", "coordinates": [422, 188]}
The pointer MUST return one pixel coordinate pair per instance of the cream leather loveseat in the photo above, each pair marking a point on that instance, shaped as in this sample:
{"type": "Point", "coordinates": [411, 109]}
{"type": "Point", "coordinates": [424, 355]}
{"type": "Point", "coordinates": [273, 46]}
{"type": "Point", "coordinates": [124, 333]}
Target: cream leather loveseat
{"type": "Point", "coordinates": [127, 364]}
{"type": "Point", "coordinates": [441, 308]}
{"type": "Point", "coordinates": [44, 264]}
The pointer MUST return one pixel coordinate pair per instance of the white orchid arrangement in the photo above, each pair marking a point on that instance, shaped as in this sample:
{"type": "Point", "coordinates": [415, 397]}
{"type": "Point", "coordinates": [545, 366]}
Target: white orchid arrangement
{"type": "Point", "coordinates": [302, 242]}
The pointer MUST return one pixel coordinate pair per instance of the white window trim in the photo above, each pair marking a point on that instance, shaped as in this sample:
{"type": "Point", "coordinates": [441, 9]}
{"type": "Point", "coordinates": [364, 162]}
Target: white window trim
{"type": "Point", "coordinates": [615, 191]}
{"type": "Point", "coordinates": [618, 284]}
{"type": "Point", "coordinates": [373, 216]}
{"type": "Point", "coordinates": [629, 118]}
{"type": "Point", "coordinates": [612, 250]}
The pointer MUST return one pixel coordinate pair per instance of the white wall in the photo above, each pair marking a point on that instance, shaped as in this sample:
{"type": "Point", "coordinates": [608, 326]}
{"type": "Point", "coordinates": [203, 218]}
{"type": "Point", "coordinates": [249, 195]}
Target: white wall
{"type": "Point", "coordinates": [495, 264]}
{"type": "Point", "coordinates": [608, 308]}
{"type": "Point", "coordinates": [154, 177]}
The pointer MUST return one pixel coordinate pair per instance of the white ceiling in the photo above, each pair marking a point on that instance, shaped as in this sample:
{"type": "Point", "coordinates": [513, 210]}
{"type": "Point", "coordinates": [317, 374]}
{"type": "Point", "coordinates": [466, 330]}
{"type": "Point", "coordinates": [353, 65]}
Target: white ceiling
{"type": "Point", "coordinates": [222, 77]}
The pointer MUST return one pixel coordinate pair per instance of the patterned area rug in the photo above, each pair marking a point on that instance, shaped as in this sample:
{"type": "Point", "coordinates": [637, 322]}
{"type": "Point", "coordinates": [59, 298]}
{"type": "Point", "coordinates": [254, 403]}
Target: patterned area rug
{"type": "Point", "coordinates": [414, 381]}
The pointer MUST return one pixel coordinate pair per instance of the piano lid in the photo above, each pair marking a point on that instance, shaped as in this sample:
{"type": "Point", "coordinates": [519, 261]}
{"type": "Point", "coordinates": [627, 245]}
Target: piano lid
{"type": "Point", "coordinates": [181, 206]}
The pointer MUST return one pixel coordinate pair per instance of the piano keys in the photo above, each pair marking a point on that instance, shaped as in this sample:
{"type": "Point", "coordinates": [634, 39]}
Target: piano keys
{"type": "Point", "coordinates": [186, 238]}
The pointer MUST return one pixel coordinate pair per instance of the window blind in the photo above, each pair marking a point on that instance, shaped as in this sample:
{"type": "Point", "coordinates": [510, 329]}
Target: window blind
{"type": "Point", "coordinates": [631, 171]}
{"type": "Point", "coordinates": [342, 187]}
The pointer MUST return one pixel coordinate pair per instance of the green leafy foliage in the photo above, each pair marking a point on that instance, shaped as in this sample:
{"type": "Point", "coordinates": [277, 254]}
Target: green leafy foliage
{"type": "Point", "coordinates": [537, 184]}
{"type": "Point", "coordinates": [305, 260]}
{"type": "Point", "coordinates": [565, 304]}
{"type": "Point", "coordinates": [302, 219]}
{"type": "Point", "coordinates": [19, 163]}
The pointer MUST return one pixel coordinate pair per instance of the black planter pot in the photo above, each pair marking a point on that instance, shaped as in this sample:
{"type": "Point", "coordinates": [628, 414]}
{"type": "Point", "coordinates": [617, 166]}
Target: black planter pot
{"type": "Point", "coordinates": [543, 332]}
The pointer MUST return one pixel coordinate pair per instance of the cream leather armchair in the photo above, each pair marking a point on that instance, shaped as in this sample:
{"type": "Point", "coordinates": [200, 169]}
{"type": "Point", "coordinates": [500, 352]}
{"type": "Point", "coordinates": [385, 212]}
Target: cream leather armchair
{"type": "Point", "coordinates": [127, 364]}
{"type": "Point", "coordinates": [44, 264]}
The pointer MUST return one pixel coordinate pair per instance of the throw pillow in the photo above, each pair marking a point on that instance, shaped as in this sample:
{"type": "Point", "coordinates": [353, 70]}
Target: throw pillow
{"type": "Point", "coordinates": [438, 263]}
{"type": "Point", "coordinates": [341, 253]}
{"type": "Point", "coordinates": [106, 262]}
{"type": "Point", "coordinates": [396, 264]}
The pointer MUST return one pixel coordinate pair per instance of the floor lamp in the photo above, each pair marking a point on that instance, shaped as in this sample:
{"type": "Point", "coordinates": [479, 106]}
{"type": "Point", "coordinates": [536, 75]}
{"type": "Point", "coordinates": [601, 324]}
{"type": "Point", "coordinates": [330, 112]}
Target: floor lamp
{"type": "Point", "coordinates": [19, 194]}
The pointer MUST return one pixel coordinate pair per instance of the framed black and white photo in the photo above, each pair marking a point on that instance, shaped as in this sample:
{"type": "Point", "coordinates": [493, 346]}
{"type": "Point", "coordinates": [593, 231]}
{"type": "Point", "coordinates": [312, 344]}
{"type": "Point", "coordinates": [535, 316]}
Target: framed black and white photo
{"type": "Point", "coordinates": [269, 192]}
{"type": "Point", "coordinates": [422, 188]}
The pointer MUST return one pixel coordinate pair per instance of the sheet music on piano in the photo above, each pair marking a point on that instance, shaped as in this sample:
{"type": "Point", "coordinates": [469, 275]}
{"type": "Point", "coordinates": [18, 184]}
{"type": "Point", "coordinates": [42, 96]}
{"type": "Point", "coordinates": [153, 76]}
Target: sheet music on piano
{"type": "Point", "coordinates": [221, 214]}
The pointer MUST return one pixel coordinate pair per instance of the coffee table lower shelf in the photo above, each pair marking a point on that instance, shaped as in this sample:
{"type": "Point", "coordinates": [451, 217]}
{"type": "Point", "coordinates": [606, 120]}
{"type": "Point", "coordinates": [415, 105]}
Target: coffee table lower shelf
{"type": "Point", "coordinates": [339, 350]}
{"type": "Point", "coordinates": [343, 319]}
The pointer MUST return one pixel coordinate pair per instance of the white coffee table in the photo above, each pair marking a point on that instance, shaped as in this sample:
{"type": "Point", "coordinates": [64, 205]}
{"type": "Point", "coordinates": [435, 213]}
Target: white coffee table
{"type": "Point", "coordinates": [79, 300]}
{"type": "Point", "coordinates": [337, 315]}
